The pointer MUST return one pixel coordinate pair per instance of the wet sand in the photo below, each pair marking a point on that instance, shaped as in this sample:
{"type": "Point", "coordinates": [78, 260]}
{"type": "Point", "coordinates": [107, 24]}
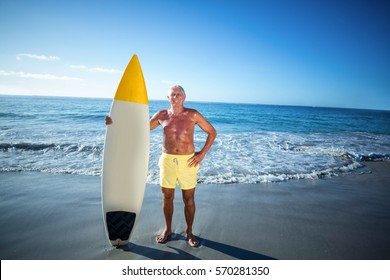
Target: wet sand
{"type": "Point", "coordinates": [50, 216]}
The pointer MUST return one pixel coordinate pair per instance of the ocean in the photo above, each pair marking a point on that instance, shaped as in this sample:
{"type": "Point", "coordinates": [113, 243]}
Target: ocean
{"type": "Point", "coordinates": [255, 143]}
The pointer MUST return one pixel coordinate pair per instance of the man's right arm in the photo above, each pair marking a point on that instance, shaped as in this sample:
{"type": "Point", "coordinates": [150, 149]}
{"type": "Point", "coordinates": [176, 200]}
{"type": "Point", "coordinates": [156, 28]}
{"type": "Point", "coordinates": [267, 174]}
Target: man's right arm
{"type": "Point", "coordinates": [154, 121]}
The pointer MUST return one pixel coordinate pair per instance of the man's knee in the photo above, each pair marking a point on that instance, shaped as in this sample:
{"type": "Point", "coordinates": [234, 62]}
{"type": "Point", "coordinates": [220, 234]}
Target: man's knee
{"type": "Point", "coordinates": [188, 197]}
{"type": "Point", "coordinates": [168, 194]}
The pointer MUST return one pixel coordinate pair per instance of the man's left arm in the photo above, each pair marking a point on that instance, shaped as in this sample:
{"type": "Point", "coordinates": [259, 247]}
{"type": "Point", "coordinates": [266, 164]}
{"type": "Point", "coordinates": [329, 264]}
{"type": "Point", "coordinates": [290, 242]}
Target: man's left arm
{"type": "Point", "coordinates": [211, 135]}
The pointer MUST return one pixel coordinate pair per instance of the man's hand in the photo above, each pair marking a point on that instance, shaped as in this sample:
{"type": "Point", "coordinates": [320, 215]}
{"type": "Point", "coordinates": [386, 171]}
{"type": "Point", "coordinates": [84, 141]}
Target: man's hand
{"type": "Point", "coordinates": [108, 120]}
{"type": "Point", "coordinates": [196, 159]}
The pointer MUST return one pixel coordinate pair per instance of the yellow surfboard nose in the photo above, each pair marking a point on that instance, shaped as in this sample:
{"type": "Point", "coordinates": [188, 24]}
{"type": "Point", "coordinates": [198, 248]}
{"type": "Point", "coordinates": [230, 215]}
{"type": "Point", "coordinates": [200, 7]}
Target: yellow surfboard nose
{"type": "Point", "coordinates": [132, 85]}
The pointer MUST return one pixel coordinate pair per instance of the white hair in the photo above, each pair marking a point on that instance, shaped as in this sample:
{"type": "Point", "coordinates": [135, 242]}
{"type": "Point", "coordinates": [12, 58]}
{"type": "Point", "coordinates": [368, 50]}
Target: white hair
{"type": "Point", "coordinates": [179, 87]}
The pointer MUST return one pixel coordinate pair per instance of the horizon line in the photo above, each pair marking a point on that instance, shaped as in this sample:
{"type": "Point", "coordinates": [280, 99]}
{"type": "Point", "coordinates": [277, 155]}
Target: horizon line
{"type": "Point", "coordinates": [199, 101]}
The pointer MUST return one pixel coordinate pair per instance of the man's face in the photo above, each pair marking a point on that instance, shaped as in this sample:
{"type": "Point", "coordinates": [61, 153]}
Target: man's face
{"type": "Point", "coordinates": [176, 97]}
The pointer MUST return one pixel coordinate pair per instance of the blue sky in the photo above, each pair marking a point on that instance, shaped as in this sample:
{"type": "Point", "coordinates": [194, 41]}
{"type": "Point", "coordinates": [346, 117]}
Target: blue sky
{"type": "Point", "coordinates": [311, 53]}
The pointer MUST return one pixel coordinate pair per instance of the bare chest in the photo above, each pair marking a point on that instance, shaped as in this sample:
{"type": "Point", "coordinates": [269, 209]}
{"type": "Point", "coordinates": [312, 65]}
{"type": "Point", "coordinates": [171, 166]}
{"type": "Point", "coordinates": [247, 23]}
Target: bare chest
{"type": "Point", "coordinates": [177, 125]}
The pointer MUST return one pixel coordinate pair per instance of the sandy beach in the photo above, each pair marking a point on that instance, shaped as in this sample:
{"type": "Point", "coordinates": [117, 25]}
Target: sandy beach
{"type": "Point", "coordinates": [49, 216]}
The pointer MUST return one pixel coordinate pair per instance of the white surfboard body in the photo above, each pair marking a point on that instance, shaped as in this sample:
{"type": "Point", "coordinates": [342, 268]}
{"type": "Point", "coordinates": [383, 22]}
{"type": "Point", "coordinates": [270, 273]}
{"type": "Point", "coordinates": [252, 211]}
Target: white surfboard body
{"type": "Point", "coordinates": [126, 156]}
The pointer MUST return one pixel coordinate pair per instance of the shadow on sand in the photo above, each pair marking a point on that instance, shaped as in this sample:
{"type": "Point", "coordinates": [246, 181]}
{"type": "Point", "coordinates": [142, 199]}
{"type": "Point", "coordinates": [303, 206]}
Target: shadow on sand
{"type": "Point", "coordinates": [179, 254]}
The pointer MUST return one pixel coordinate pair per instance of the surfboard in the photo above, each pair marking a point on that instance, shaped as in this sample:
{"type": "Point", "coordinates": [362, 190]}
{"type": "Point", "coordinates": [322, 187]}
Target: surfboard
{"type": "Point", "coordinates": [126, 156]}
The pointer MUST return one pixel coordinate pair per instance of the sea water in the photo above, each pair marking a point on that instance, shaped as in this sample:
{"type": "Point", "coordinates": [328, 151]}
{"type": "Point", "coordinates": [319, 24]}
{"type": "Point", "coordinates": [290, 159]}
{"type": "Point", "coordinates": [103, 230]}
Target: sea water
{"type": "Point", "coordinates": [255, 143]}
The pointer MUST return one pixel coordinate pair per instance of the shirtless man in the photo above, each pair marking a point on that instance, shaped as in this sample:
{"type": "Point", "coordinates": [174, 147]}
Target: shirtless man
{"type": "Point", "coordinates": [179, 162]}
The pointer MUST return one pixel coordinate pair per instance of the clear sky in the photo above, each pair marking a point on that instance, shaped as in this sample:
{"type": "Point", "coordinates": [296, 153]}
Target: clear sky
{"type": "Point", "coordinates": [311, 53]}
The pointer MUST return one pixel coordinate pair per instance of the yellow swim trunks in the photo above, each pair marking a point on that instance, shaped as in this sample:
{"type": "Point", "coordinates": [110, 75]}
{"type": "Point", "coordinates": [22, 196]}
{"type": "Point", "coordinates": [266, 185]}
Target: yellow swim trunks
{"type": "Point", "coordinates": [174, 168]}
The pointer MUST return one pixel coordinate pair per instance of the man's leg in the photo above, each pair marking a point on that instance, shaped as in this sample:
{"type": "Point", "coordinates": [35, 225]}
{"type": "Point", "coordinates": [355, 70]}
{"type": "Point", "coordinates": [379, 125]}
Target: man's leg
{"type": "Point", "coordinates": [167, 205]}
{"type": "Point", "coordinates": [189, 212]}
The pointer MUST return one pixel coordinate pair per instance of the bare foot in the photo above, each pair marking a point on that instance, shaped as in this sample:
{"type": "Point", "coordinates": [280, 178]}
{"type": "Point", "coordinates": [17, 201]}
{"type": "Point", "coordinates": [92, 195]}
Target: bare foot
{"type": "Point", "coordinates": [192, 241]}
{"type": "Point", "coordinates": [163, 237]}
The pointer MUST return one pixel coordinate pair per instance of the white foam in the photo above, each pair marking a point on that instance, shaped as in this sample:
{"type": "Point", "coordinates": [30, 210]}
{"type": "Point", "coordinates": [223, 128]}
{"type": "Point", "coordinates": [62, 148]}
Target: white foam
{"type": "Point", "coordinates": [274, 157]}
{"type": "Point", "coordinates": [234, 158]}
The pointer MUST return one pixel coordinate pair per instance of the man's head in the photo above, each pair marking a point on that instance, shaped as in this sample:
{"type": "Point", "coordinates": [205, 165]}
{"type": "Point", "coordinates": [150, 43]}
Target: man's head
{"type": "Point", "coordinates": [176, 95]}
{"type": "Point", "coordinates": [177, 87]}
